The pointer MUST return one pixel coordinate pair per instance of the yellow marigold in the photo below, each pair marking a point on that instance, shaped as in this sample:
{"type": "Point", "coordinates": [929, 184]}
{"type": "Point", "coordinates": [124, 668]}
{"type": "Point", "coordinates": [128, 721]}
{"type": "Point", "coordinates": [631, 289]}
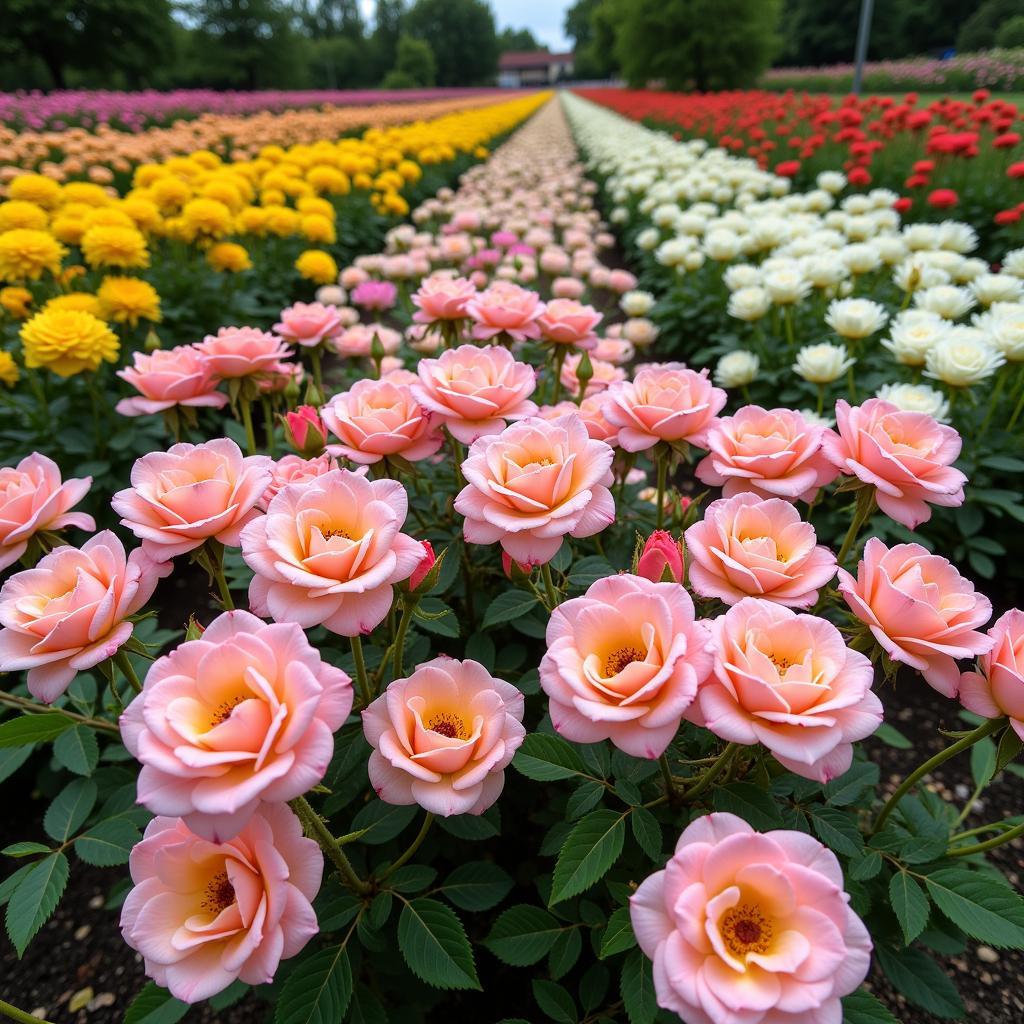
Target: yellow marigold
{"type": "Point", "coordinates": [67, 342]}
{"type": "Point", "coordinates": [25, 253]}
{"type": "Point", "coordinates": [208, 217]}
{"type": "Point", "coordinates": [84, 192]}
{"type": "Point", "coordinates": [68, 274]}
{"type": "Point", "coordinates": [9, 373]}
{"type": "Point", "coordinates": [113, 246]}
{"type": "Point", "coordinates": [251, 221]}
{"type": "Point", "coordinates": [170, 194]}
{"type": "Point", "coordinates": [282, 220]}
{"type": "Point", "coordinates": [16, 301]}
{"type": "Point", "coordinates": [410, 170]}
{"type": "Point", "coordinates": [362, 180]}
{"type": "Point", "coordinates": [314, 204]}
{"type": "Point", "coordinates": [146, 174]}
{"type": "Point", "coordinates": [20, 213]}
{"type": "Point", "coordinates": [317, 266]}
{"type": "Point", "coordinates": [223, 190]}
{"type": "Point", "coordinates": [328, 179]}
{"type": "Point", "coordinates": [68, 230]}
{"type": "Point", "coordinates": [80, 302]}
{"type": "Point", "coordinates": [127, 300]}
{"type": "Point", "coordinates": [35, 188]}
{"type": "Point", "coordinates": [272, 197]}
{"type": "Point", "coordinates": [228, 256]}
{"type": "Point", "coordinates": [316, 227]}
{"type": "Point", "coordinates": [144, 213]}
{"type": "Point", "coordinates": [108, 216]}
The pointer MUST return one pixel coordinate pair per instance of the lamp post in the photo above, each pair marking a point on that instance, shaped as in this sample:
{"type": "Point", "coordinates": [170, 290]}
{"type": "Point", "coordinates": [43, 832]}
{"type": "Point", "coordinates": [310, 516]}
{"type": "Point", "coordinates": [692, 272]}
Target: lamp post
{"type": "Point", "coordinates": [863, 31]}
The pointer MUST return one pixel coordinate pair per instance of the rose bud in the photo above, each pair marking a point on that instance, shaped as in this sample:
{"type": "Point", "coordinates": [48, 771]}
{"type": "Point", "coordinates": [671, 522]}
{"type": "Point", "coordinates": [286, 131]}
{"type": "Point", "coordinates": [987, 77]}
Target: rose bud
{"type": "Point", "coordinates": [661, 560]}
{"type": "Point", "coordinates": [305, 431]}
{"type": "Point", "coordinates": [514, 570]}
{"type": "Point", "coordinates": [419, 574]}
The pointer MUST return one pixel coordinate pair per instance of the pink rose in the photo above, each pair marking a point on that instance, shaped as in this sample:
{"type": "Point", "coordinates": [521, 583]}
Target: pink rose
{"type": "Point", "coordinates": [532, 484]}
{"type": "Point", "coordinates": [242, 351]}
{"type": "Point", "coordinates": [180, 498]}
{"type": "Point", "coordinates": [474, 391]}
{"type": "Point", "coordinates": [374, 295]}
{"type": "Point", "coordinates": [305, 431]}
{"type": "Point", "coordinates": [661, 552]}
{"type": "Point", "coordinates": [505, 308]}
{"type": "Point", "coordinates": [748, 546]}
{"type": "Point", "coordinates": [613, 350]}
{"type": "Point", "coordinates": [309, 323]}
{"type": "Point", "coordinates": [773, 453]}
{"type": "Point", "coordinates": [621, 281]}
{"type": "Point", "coordinates": [33, 498]}
{"type": "Point", "coordinates": [378, 418]}
{"type": "Point", "coordinates": [443, 737]}
{"type": "Point", "coordinates": [357, 341]}
{"type": "Point", "coordinates": [750, 927]}
{"type": "Point", "coordinates": [427, 562]}
{"type": "Point", "coordinates": [329, 551]}
{"type": "Point", "coordinates": [293, 469]}
{"type": "Point", "coordinates": [906, 456]}
{"type": "Point", "coordinates": [205, 914]}
{"type": "Point", "coordinates": [591, 411]}
{"type": "Point", "coordinates": [169, 377]}
{"type": "Point", "coordinates": [623, 663]}
{"type": "Point", "coordinates": [569, 322]}
{"type": "Point", "coordinates": [920, 610]}
{"type": "Point", "coordinates": [664, 402]}
{"type": "Point", "coordinates": [243, 716]}
{"type": "Point", "coordinates": [70, 612]}
{"type": "Point", "coordinates": [790, 682]}
{"type": "Point", "coordinates": [440, 297]}
{"type": "Point", "coordinates": [998, 688]}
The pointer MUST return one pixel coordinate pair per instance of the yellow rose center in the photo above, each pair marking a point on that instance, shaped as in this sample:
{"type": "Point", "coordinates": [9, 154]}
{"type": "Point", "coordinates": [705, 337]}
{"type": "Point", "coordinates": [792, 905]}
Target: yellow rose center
{"type": "Point", "coordinates": [745, 929]}
{"type": "Point", "coordinates": [219, 893]}
{"type": "Point", "coordinates": [620, 658]}
{"type": "Point", "coordinates": [222, 712]}
{"type": "Point", "coordinates": [448, 724]}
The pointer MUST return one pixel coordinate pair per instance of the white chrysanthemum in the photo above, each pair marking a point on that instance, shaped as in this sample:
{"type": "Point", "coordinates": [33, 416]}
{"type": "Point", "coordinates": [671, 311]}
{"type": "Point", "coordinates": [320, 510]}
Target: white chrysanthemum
{"type": "Point", "coordinates": [856, 204]}
{"type": "Point", "coordinates": [749, 304]}
{"type": "Point", "coordinates": [921, 236]}
{"type": "Point", "coordinates": [989, 288]}
{"type": "Point", "coordinates": [913, 334]}
{"type": "Point", "coordinates": [673, 252]}
{"type": "Point", "coordinates": [666, 215]}
{"type": "Point", "coordinates": [636, 303]}
{"type": "Point", "coordinates": [822, 364]}
{"type": "Point", "coordinates": [861, 258]}
{"type": "Point", "coordinates": [648, 239]}
{"type": "Point", "coordinates": [722, 244]}
{"type": "Point", "coordinates": [858, 229]}
{"type": "Point", "coordinates": [736, 369]}
{"type": "Point", "coordinates": [1003, 326]}
{"type": "Point", "coordinates": [855, 318]}
{"type": "Point", "coordinates": [882, 198]}
{"type": "Point", "coordinates": [692, 261]}
{"type": "Point", "coordinates": [912, 275]}
{"type": "Point", "coordinates": [741, 275]}
{"type": "Point", "coordinates": [962, 358]}
{"type": "Point", "coordinates": [968, 269]}
{"type": "Point", "coordinates": [1013, 263]}
{"type": "Point", "coordinates": [892, 249]}
{"type": "Point", "coordinates": [950, 301]}
{"type": "Point", "coordinates": [957, 236]}
{"type": "Point", "coordinates": [786, 285]}
{"type": "Point", "coordinates": [831, 181]}
{"type": "Point", "coordinates": [916, 398]}
{"type": "Point", "coordinates": [825, 269]}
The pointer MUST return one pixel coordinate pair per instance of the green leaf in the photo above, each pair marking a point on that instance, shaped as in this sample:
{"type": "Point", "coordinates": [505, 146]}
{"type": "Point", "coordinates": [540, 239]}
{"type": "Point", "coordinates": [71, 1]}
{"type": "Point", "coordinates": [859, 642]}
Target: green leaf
{"type": "Point", "coordinates": [12, 881]}
{"type": "Point", "coordinates": [646, 831]}
{"type": "Point", "coordinates": [982, 907]}
{"type": "Point", "coordinates": [909, 904]}
{"type": "Point", "coordinates": [618, 935]}
{"type": "Point", "coordinates": [1010, 746]}
{"type": "Point", "coordinates": [591, 848]}
{"type": "Point", "coordinates": [588, 571]}
{"type": "Point", "coordinates": [77, 750]}
{"type": "Point", "coordinates": [318, 991]}
{"type": "Point", "coordinates": [555, 1001]}
{"type": "Point", "coordinates": [433, 615]}
{"type": "Point", "coordinates": [837, 830]}
{"type": "Point", "coordinates": [35, 899]}
{"type": "Point", "coordinates": [12, 758]}
{"type": "Point", "coordinates": [69, 809]}
{"type": "Point", "coordinates": [434, 944]}
{"type": "Point", "coordinates": [412, 878]}
{"type": "Point", "coordinates": [546, 758]}
{"type": "Point", "coordinates": [16, 732]}
{"type": "Point", "coordinates": [915, 974]}
{"type": "Point", "coordinates": [848, 787]}
{"type": "Point", "coordinates": [229, 996]}
{"type": "Point", "coordinates": [891, 737]}
{"type": "Point", "coordinates": [862, 1007]}
{"type": "Point", "coordinates": [108, 843]}
{"type": "Point", "coordinates": [383, 822]}
{"type": "Point", "coordinates": [473, 827]}
{"type": "Point", "coordinates": [565, 952]}
{"type": "Point", "coordinates": [983, 762]}
{"type": "Point", "coordinates": [155, 1005]}
{"type": "Point", "coordinates": [637, 988]}
{"type": "Point", "coordinates": [509, 605]}
{"type": "Point", "coordinates": [523, 934]}
{"type": "Point", "coordinates": [753, 805]}
{"type": "Point", "coordinates": [585, 797]}
{"type": "Point", "coordinates": [477, 885]}
{"type": "Point", "coordinates": [366, 1008]}
{"type": "Point", "coordinates": [24, 849]}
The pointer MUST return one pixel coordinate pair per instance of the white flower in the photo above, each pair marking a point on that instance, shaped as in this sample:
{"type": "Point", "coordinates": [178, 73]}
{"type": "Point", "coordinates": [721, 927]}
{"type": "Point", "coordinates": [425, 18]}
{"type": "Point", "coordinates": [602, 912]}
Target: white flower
{"type": "Point", "coordinates": [913, 334]}
{"type": "Point", "coordinates": [989, 288]}
{"type": "Point", "coordinates": [648, 239]}
{"type": "Point", "coordinates": [749, 303]}
{"type": "Point", "coordinates": [786, 285]}
{"type": "Point", "coordinates": [636, 303]}
{"type": "Point", "coordinates": [1013, 263]}
{"type": "Point", "coordinates": [831, 181]}
{"type": "Point", "coordinates": [722, 244]}
{"type": "Point", "coordinates": [948, 300]}
{"type": "Point", "coordinates": [861, 258]}
{"type": "Point", "coordinates": [824, 269]}
{"type": "Point", "coordinates": [916, 398]}
{"type": "Point", "coordinates": [640, 331]}
{"type": "Point", "coordinates": [673, 252]}
{"type": "Point", "coordinates": [957, 236]}
{"type": "Point", "coordinates": [822, 364]}
{"type": "Point", "coordinates": [1003, 324]}
{"type": "Point", "coordinates": [921, 236]}
{"type": "Point", "coordinates": [814, 419]}
{"type": "Point", "coordinates": [693, 261]}
{"type": "Point", "coordinates": [968, 269]}
{"type": "Point", "coordinates": [891, 248]}
{"type": "Point", "coordinates": [735, 369]}
{"type": "Point", "coordinates": [913, 275]}
{"type": "Point", "coordinates": [962, 358]}
{"type": "Point", "coordinates": [741, 275]}
{"type": "Point", "coordinates": [855, 318]}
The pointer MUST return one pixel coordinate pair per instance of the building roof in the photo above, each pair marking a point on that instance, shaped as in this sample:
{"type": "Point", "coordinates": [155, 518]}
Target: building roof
{"type": "Point", "coordinates": [524, 60]}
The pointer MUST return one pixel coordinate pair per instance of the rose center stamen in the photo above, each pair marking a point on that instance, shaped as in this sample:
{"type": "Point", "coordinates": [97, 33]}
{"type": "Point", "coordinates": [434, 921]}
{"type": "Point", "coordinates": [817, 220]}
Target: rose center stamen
{"type": "Point", "coordinates": [745, 929]}
{"type": "Point", "coordinates": [336, 531]}
{"type": "Point", "coordinates": [447, 724]}
{"type": "Point", "coordinates": [618, 660]}
{"type": "Point", "coordinates": [219, 894]}
{"type": "Point", "coordinates": [223, 710]}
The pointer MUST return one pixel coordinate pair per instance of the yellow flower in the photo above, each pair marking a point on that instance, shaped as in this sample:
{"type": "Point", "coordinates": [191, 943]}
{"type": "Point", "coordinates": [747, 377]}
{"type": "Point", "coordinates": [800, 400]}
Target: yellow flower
{"type": "Point", "coordinates": [84, 192]}
{"type": "Point", "coordinates": [282, 220]}
{"type": "Point", "coordinates": [170, 194]}
{"type": "Point", "coordinates": [207, 217]}
{"type": "Point", "coordinates": [113, 246]}
{"type": "Point", "coordinates": [16, 301]}
{"type": "Point", "coordinates": [81, 302]}
{"type": "Point", "coordinates": [35, 188]}
{"type": "Point", "coordinates": [68, 229]}
{"type": "Point", "coordinates": [252, 220]}
{"type": "Point", "coordinates": [126, 300]}
{"type": "Point", "coordinates": [9, 373]}
{"type": "Point", "coordinates": [228, 256]}
{"type": "Point", "coordinates": [107, 216]}
{"type": "Point", "coordinates": [143, 212]}
{"type": "Point", "coordinates": [316, 227]}
{"type": "Point", "coordinates": [68, 342]}
{"type": "Point", "coordinates": [19, 213]}
{"type": "Point", "coordinates": [26, 253]}
{"type": "Point", "coordinates": [317, 266]}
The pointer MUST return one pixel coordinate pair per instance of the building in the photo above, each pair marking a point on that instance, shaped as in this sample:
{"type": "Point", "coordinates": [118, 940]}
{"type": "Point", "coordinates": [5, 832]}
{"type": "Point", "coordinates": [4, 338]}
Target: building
{"type": "Point", "coordinates": [517, 69]}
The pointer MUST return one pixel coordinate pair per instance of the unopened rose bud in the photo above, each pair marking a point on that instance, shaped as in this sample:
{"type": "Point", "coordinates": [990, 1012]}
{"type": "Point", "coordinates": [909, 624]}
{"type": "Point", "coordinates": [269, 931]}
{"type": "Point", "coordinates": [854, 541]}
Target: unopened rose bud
{"type": "Point", "coordinates": [419, 574]}
{"type": "Point", "coordinates": [584, 373]}
{"type": "Point", "coordinates": [661, 560]}
{"type": "Point", "coordinates": [194, 630]}
{"type": "Point", "coordinates": [314, 396]}
{"type": "Point", "coordinates": [152, 342]}
{"type": "Point", "coordinates": [514, 570]}
{"type": "Point", "coordinates": [305, 431]}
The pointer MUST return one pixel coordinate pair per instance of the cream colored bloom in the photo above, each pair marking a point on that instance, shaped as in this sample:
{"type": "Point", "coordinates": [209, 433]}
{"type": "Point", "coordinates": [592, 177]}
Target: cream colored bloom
{"type": "Point", "coordinates": [737, 369]}
{"type": "Point", "coordinates": [749, 304]}
{"type": "Point", "coordinates": [855, 318]}
{"type": "Point", "coordinates": [962, 358]}
{"type": "Point", "coordinates": [822, 364]}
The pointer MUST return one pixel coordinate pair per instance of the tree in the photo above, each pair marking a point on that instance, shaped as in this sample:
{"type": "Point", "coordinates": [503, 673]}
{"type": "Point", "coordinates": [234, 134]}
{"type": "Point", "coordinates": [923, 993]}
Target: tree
{"type": "Point", "coordinates": [510, 39]}
{"type": "Point", "coordinates": [1011, 33]}
{"type": "Point", "coordinates": [387, 27]}
{"type": "Point", "coordinates": [334, 18]}
{"type": "Point", "coordinates": [706, 44]}
{"type": "Point", "coordinates": [979, 30]}
{"type": "Point", "coordinates": [462, 36]}
{"type": "Point", "coordinates": [415, 63]}
{"type": "Point", "coordinates": [591, 26]}
{"type": "Point", "coordinates": [126, 36]}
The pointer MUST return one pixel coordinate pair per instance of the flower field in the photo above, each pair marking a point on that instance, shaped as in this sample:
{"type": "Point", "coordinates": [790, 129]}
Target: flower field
{"type": "Point", "coordinates": [464, 556]}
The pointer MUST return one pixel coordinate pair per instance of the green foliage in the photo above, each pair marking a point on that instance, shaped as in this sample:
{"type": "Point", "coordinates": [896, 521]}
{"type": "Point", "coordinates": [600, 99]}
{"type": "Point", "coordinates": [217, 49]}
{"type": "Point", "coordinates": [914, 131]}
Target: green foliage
{"type": "Point", "coordinates": [461, 36]}
{"type": "Point", "coordinates": [1010, 34]}
{"type": "Point", "coordinates": [434, 944]}
{"type": "Point", "coordinates": [318, 991]}
{"type": "Point", "coordinates": [415, 60]}
{"type": "Point", "coordinates": [981, 29]}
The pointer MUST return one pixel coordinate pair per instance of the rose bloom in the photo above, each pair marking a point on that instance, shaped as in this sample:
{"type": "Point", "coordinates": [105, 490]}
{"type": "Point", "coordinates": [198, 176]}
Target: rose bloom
{"type": "Point", "coordinates": [443, 737]}
{"type": "Point", "coordinates": [505, 308]}
{"type": "Point", "coordinates": [357, 341]}
{"type": "Point", "coordinates": [206, 914]}
{"type": "Point", "coordinates": [375, 295]}
{"type": "Point", "coordinates": [664, 402]}
{"type": "Point", "coordinates": [570, 322]}
{"type": "Point", "coordinates": [33, 498]}
{"type": "Point", "coordinates": [623, 663]}
{"type": "Point", "coordinates": [294, 469]}
{"type": "Point", "coordinates": [475, 391]}
{"type": "Point", "coordinates": [906, 456]}
{"type": "Point", "coordinates": [750, 927]}
{"type": "Point", "coordinates": [70, 612]}
{"type": "Point", "coordinates": [532, 484]}
{"type": "Point", "coordinates": [309, 323]}
{"type": "Point", "coordinates": [790, 682]}
{"type": "Point", "coordinates": [329, 551]}
{"type": "Point", "coordinates": [440, 297]}
{"type": "Point", "coordinates": [242, 716]}
{"type": "Point", "coordinates": [378, 418]}
{"type": "Point", "coordinates": [169, 377]}
{"type": "Point", "coordinates": [242, 351]}
{"type": "Point", "coordinates": [921, 611]}
{"type": "Point", "coordinates": [180, 498]}
{"type": "Point", "coordinates": [769, 452]}
{"type": "Point", "coordinates": [748, 546]}
{"type": "Point", "coordinates": [613, 350]}
{"type": "Point", "coordinates": [661, 553]}
{"type": "Point", "coordinates": [604, 374]}
{"type": "Point", "coordinates": [997, 689]}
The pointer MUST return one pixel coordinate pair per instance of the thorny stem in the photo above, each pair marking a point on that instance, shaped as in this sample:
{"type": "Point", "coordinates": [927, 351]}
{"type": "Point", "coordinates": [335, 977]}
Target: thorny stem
{"type": "Point", "coordinates": [671, 792]}
{"type": "Point", "coordinates": [549, 586]}
{"type": "Point", "coordinates": [721, 763]}
{"type": "Point", "coordinates": [314, 826]}
{"type": "Point", "coordinates": [32, 708]}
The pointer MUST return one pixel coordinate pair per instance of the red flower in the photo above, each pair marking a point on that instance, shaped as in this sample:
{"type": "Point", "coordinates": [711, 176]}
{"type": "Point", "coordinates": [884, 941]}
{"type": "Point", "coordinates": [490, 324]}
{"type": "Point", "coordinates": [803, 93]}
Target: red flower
{"type": "Point", "coordinates": [903, 204]}
{"type": "Point", "coordinates": [1007, 217]}
{"type": "Point", "coordinates": [787, 168]}
{"type": "Point", "coordinates": [943, 199]}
